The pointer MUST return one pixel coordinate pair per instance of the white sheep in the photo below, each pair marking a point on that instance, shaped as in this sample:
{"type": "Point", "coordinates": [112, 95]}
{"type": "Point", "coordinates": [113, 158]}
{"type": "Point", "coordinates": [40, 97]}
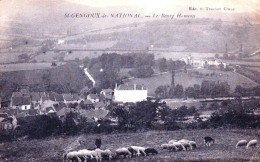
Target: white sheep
{"type": "Point", "coordinates": [71, 156]}
{"type": "Point", "coordinates": [241, 143]}
{"type": "Point", "coordinates": [123, 151]}
{"type": "Point", "coordinates": [179, 146]}
{"type": "Point", "coordinates": [172, 141]}
{"type": "Point", "coordinates": [169, 146]}
{"type": "Point", "coordinates": [186, 145]}
{"type": "Point", "coordinates": [85, 154]}
{"type": "Point", "coordinates": [139, 150]}
{"type": "Point", "coordinates": [97, 154]}
{"type": "Point", "coordinates": [252, 143]}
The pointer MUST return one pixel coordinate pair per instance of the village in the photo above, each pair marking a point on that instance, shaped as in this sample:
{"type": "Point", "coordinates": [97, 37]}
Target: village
{"type": "Point", "coordinates": [94, 106]}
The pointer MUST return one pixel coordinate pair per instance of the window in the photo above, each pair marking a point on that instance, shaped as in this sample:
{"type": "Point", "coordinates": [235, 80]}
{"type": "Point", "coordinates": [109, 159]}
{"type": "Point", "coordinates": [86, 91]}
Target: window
{"type": "Point", "coordinates": [25, 107]}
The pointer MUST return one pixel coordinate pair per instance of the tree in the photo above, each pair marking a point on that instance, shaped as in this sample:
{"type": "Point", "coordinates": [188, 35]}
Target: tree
{"type": "Point", "coordinates": [142, 72]}
{"type": "Point", "coordinates": [141, 119]}
{"type": "Point", "coordinates": [70, 126]}
{"type": "Point", "coordinates": [239, 90]}
{"type": "Point", "coordinates": [196, 90]}
{"type": "Point", "coordinates": [190, 92]}
{"type": "Point", "coordinates": [175, 65]}
{"type": "Point", "coordinates": [214, 106]}
{"type": "Point", "coordinates": [162, 64]}
{"type": "Point", "coordinates": [161, 92]}
{"type": "Point", "coordinates": [110, 65]}
{"type": "Point", "coordinates": [178, 91]}
{"type": "Point", "coordinates": [86, 61]}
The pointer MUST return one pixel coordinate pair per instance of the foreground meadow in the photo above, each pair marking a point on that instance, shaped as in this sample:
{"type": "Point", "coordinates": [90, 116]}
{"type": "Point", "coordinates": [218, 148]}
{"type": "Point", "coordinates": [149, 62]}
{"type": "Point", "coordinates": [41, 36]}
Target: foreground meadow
{"type": "Point", "coordinates": [51, 149]}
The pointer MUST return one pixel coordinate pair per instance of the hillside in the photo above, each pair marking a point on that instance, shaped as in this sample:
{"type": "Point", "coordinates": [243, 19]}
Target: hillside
{"type": "Point", "coordinates": [52, 149]}
{"type": "Point", "coordinates": [62, 79]}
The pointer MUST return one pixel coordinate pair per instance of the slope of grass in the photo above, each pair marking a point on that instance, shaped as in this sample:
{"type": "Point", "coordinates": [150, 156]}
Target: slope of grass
{"type": "Point", "coordinates": [51, 149]}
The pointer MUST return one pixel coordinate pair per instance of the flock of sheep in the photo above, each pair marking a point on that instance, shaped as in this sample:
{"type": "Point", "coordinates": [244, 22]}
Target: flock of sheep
{"type": "Point", "coordinates": [173, 145]}
{"type": "Point", "coordinates": [252, 143]}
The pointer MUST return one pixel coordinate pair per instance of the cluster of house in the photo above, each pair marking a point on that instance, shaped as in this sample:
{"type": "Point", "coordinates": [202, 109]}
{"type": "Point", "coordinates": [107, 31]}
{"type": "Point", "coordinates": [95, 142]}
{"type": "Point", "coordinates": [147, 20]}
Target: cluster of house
{"type": "Point", "coordinates": [25, 103]}
{"type": "Point", "coordinates": [200, 63]}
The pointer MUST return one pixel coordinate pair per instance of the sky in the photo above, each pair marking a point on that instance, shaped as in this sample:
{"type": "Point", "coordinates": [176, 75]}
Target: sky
{"type": "Point", "coordinates": [166, 5]}
{"type": "Point", "coordinates": [45, 13]}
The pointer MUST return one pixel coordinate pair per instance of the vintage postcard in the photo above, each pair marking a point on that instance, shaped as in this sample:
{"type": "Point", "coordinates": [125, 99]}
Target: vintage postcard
{"type": "Point", "coordinates": [129, 80]}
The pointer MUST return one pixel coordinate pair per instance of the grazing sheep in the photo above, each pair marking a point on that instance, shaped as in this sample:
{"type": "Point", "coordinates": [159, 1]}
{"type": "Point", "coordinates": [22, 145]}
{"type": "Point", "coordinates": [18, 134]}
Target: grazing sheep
{"type": "Point", "coordinates": [252, 143]}
{"type": "Point", "coordinates": [186, 144]}
{"type": "Point", "coordinates": [133, 152]}
{"type": "Point", "coordinates": [193, 144]}
{"type": "Point", "coordinates": [106, 154]}
{"type": "Point", "coordinates": [123, 152]}
{"type": "Point", "coordinates": [172, 141]}
{"type": "Point", "coordinates": [208, 140]}
{"type": "Point", "coordinates": [73, 156]}
{"type": "Point", "coordinates": [169, 147]}
{"type": "Point", "coordinates": [85, 154]}
{"type": "Point", "coordinates": [241, 143]}
{"type": "Point", "coordinates": [180, 146]}
{"type": "Point", "coordinates": [150, 151]}
{"type": "Point", "coordinates": [97, 154]}
{"type": "Point", "coordinates": [138, 149]}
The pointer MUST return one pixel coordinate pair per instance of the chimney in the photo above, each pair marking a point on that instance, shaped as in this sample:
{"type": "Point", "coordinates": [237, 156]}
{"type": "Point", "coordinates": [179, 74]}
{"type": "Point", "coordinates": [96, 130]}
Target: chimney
{"type": "Point", "coordinates": [134, 86]}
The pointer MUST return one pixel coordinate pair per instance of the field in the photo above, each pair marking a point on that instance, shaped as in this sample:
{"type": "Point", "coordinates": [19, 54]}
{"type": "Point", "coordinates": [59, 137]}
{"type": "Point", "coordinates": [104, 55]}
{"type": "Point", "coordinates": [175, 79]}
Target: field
{"type": "Point", "coordinates": [51, 149]}
{"type": "Point", "coordinates": [187, 80]}
{"type": "Point", "coordinates": [26, 66]}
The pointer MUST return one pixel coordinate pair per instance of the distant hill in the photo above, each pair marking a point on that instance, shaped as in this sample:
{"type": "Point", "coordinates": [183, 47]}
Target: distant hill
{"type": "Point", "coordinates": [63, 79]}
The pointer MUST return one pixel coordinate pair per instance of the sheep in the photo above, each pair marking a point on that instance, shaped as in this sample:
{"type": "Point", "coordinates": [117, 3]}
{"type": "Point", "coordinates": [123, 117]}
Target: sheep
{"type": "Point", "coordinates": [169, 147]}
{"type": "Point", "coordinates": [97, 154]}
{"type": "Point", "coordinates": [172, 141]}
{"type": "Point", "coordinates": [106, 154]}
{"type": "Point", "coordinates": [151, 151]}
{"type": "Point", "coordinates": [252, 143]}
{"type": "Point", "coordinates": [208, 140]}
{"type": "Point", "coordinates": [193, 144]}
{"type": "Point", "coordinates": [241, 143]}
{"type": "Point", "coordinates": [85, 154]}
{"type": "Point", "coordinates": [186, 144]}
{"type": "Point", "coordinates": [179, 146]}
{"type": "Point", "coordinates": [138, 149]}
{"type": "Point", "coordinates": [123, 151]}
{"type": "Point", "coordinates": [73, 155]}
{"type": "Point", "coordinates": [133, 151]}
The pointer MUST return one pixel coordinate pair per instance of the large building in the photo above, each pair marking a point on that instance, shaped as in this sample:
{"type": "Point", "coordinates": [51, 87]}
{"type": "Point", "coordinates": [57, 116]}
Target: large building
{"type": "Point", "coordinates": [130, 93]}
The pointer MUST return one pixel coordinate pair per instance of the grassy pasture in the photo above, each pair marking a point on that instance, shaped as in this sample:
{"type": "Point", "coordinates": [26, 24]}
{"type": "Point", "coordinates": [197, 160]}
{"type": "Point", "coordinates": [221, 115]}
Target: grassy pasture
{"type": "Point", "coordinates": [27, 66]}
{"type": "Point", "coordinates": [51, 149]}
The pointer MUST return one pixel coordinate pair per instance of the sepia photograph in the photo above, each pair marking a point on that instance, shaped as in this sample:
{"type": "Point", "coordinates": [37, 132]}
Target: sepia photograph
{"type": "Point", "coordinates": [129, 80]}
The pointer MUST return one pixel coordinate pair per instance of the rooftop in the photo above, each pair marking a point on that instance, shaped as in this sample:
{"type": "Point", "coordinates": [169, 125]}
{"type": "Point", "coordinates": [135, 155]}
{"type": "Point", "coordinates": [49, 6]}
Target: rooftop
{"type": "Point", "coordinates": [94, 96]}
{"type": "Point", "coordinates": [131, 87]}
{"type": "Point", "coordinates": [67, 97]}
{"type": "Point", "coordinates": [107, 90]}
{"type": "Point", "coordinates": [35, 96]}
{"type": "Point", "coordinates": [19, 101]}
